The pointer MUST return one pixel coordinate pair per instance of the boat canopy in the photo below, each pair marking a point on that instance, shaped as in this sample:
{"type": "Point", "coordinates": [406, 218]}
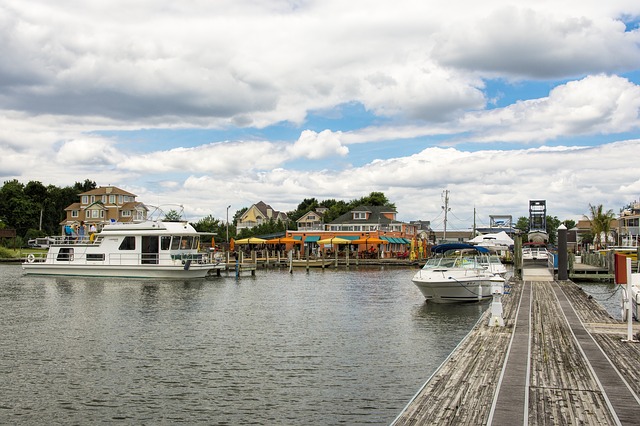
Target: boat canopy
{"type": "Point", "coordinates": [443, 248]}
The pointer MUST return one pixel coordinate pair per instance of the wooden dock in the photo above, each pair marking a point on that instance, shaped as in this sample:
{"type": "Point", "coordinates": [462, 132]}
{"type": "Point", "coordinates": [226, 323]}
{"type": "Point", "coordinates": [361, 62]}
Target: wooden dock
{"type": "Point", "coordinates": [559, 360]}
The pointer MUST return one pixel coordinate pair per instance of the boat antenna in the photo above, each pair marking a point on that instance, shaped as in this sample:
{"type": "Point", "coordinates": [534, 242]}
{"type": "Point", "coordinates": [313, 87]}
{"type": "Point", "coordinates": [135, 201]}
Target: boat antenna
{"type": "Point", "coordinates": [446, 209]}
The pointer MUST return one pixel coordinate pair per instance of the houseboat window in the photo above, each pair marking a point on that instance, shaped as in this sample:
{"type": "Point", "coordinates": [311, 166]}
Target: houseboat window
{"type": "Point", "coordinates": [128, 243]}
{"type": "Point", "coordinates": [65, 254]}
{"type": "Point", "coordinates": [165, 242]}
{"type": "Point", "coordinates": [95, 256]}
{"type": "Point", "coordinates": [186, 243]}
{"type": "Point", "coordinates": [175, 243]}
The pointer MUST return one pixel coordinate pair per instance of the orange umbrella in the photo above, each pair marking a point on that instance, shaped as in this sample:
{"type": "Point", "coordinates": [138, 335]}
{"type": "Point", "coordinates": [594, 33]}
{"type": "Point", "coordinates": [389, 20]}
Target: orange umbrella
{"type": "Point", "coordinates": [370, 240]}
{"type": "Point", "coordinates": [283, 240]}
{"type": "Point", "coordinates": [232, 244]}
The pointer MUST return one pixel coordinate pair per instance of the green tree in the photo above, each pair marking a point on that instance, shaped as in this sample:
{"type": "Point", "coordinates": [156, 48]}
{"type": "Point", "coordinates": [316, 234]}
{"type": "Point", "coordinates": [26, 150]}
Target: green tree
{"type": "Point", "coordinates": [307, 205]}
{"type": "Point", "coordinates": [553, 223]}
{"type": "Point", "coordinates": [600, 222]}
{"type": "Point", "coordinates": [85, 186]}
{"type": "Point", "coordinates": [569, 223]}
{"type": "Point", "coordinates": [172, 216]}
{"type": "Point", "coordinates": [522, 225]}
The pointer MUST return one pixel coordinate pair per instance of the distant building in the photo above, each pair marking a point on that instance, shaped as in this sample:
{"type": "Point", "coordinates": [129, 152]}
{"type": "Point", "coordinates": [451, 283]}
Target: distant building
{"type": "Point", "coordinates": [371, 219]}
{"type": "Point", "coordinates": [628, 228]}
{"type": "Point", "coordinates": [312, 221]}
{"type": "Point", "coordinates": [258, 214]}
{"type": "Point", "coordinates": [104, 205]}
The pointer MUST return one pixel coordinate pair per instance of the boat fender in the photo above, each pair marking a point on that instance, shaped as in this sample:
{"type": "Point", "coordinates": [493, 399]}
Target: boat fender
{"type": "Point", "coordinates": [187, 265]}
{"type": "Point", "coordinates": [31, 258]}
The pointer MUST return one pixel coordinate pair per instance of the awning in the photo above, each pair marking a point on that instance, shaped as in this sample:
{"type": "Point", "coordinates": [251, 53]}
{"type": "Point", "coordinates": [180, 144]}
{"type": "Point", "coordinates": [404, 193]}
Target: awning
{"type": "Point", "coordinates": [311, 239]}
{"type": "Point", "coordinates": [251, 240]}
{"type": "Point", "coordinates": [284, 240]}
{"type": "Point", "coordinates": [334, 240]}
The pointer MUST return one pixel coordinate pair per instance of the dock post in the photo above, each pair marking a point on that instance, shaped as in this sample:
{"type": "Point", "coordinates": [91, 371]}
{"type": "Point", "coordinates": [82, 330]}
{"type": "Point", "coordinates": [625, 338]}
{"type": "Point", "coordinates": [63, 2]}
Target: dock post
{"type": "Point", "coordinates": [497, 290]}
{"type": "Point", "coordinates": [517, 257]}
{"type": "Point", "coordinates": [562, 253]}
{"type": "Point", "coordinates": [627, 304]}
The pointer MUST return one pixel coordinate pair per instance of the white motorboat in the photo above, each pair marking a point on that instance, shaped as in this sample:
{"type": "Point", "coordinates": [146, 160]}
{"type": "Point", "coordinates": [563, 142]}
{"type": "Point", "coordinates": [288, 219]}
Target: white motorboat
{"type": "Point", "coordinates": [455, 274]}
{"type": "Point", "coordinates": [535, 254]}
{"type": "Point", "coordinates": [493, 263]}
{"type": "Point", "coordinates": [151, 249]}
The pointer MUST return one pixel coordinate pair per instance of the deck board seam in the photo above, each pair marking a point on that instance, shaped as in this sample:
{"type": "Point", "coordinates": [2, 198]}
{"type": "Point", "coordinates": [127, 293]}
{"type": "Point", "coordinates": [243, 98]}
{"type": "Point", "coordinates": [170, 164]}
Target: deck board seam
{"type": "Point", "coordinates": [505, 364]}
{"type": "Point", "coordinates": [556, 288]}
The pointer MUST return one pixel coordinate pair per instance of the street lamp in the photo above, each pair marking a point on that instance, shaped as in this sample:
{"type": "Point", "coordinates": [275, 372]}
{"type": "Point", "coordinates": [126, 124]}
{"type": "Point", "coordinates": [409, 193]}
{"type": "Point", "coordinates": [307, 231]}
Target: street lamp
{"type": "Point", "coordinates": [228, 207]}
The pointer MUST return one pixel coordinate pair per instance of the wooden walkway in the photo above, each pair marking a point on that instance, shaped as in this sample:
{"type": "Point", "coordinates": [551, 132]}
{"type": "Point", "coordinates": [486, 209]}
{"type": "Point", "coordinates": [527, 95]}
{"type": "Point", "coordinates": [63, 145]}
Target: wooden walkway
{"type": "Point", "coordinates": [559, 360]}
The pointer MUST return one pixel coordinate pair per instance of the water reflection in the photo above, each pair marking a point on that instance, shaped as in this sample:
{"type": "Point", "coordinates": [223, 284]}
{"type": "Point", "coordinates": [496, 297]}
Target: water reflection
{"type": "Point", "coordinates": [319, 347]}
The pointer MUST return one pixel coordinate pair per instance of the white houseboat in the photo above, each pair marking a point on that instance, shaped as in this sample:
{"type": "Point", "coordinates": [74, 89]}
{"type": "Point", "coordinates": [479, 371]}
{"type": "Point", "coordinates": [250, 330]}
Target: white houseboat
{"type": "Point", "coordinates": [150, 249]}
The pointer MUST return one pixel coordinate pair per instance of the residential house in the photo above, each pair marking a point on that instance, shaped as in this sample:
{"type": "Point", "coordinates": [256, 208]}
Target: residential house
{"type": "Point", "coordinates": [258, 214]}
{"type": "Point", "coordinates": [362, 222]}
{"type": "Point", "coordinates": [312, 220]}
{"type": "Point", "coordinates": [629, 225]}
{"type": "Point", "coordinates": [104, 205]}
{"type": "Point", "coordinates": [379, 219]}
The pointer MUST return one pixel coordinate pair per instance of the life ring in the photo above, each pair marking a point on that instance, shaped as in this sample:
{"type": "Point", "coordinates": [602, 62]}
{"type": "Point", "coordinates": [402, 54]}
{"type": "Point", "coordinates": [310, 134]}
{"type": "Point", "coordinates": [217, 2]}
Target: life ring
{"type": "Point", "coordinates": [31, 258]}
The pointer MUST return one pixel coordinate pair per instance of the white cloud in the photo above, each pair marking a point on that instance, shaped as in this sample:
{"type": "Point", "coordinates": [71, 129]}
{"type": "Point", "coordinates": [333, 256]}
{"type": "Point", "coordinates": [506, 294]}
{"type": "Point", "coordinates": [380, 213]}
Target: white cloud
{"type": "Point", "coordinates": [73, 70]}
{"type": "Point", "coordinates": [314, 145]}
{"type": "Point", "coordinates": [258, 63]}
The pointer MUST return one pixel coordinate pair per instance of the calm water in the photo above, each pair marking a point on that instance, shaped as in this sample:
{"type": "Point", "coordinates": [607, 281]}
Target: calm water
{"type": "Point", "coordinates": [325, 347]}
{"type": "Point", "coordinates": [608, 295]}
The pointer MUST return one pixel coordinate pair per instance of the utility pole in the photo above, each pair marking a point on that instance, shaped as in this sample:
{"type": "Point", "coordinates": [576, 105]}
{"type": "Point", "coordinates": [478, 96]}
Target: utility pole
{"type": "Point", "coordinates": [446, 210]}
{"type": "Point", "coordinates": [228, 224]}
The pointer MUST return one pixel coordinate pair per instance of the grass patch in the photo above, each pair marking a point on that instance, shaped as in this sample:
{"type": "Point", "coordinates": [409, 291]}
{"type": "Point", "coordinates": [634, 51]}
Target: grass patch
{"type": "Point", "coordinates": [8, 253]}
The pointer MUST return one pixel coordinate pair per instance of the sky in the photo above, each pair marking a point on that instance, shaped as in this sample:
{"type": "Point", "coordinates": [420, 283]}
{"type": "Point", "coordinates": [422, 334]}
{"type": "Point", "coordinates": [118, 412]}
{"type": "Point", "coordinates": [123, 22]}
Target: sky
{"type": "Point", "coordinates": [209, 104]}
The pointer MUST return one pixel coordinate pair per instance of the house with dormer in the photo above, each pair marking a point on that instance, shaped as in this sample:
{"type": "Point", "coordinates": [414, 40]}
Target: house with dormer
{"type": "Point", "coordinates": [258, 214]}
{"type": "Point", "coordinates": [103, 205]}
{"type": "Point", "coordinates": [370, 219]}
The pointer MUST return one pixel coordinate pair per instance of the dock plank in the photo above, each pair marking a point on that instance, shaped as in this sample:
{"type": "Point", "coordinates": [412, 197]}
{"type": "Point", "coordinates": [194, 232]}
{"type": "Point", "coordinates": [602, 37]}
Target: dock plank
{"type": "Point", "coordinates": [579, 367]}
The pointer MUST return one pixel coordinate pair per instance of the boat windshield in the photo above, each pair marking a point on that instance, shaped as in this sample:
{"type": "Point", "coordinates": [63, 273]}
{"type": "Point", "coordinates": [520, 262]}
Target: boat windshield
{"type": "Point", "coordinates": [185, 242]}
{"type": "Point", "coordinates": [452, 262]}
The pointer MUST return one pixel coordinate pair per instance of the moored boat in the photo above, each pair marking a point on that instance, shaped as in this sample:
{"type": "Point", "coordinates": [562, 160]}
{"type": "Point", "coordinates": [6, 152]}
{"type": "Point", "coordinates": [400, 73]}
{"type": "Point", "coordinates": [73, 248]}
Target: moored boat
{"type": "Point", "coordinates": [535, 253]}
{"type": "Point", "coordinates": [150, 249]}
{"type": "Point", "coordinates": [455, 274]}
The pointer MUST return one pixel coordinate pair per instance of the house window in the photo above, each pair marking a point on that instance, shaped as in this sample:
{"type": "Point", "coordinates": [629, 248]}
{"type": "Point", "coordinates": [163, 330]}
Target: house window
{"type": "Point", "coordinates": [85, 199]}
{"type": "Point", "coordinates": [74, 213]}
{"type": "Point", "coordinates": [104, 199]}
{"type": "Point", "coordinates": [112, 199]}
{"type": "Point", "coordinates": [359, 215]}
{"type": "Point", "coordinates": [126, 213]}
{"type": "Point", "coordinates": [95, 213]}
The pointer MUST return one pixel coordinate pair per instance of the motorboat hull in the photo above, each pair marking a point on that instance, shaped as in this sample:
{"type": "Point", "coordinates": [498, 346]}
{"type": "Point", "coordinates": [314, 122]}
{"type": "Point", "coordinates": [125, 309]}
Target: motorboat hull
{"type": "Point", "coordinates": [123, 271]}
{"type": "Point", "coordinates": [448, 289]}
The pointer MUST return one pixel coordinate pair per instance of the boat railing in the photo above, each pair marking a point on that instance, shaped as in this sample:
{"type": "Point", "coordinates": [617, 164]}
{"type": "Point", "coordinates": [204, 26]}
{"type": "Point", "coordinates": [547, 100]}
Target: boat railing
{"type": "Point", "coordinates": [121, 258]}
{"type": "Point", "coordinates": [63, 240]}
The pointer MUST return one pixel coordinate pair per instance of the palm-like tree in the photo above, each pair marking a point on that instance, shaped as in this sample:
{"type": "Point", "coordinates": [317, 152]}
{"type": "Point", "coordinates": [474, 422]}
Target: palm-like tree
{"type": "Point", "coordinates": [600, 223]}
